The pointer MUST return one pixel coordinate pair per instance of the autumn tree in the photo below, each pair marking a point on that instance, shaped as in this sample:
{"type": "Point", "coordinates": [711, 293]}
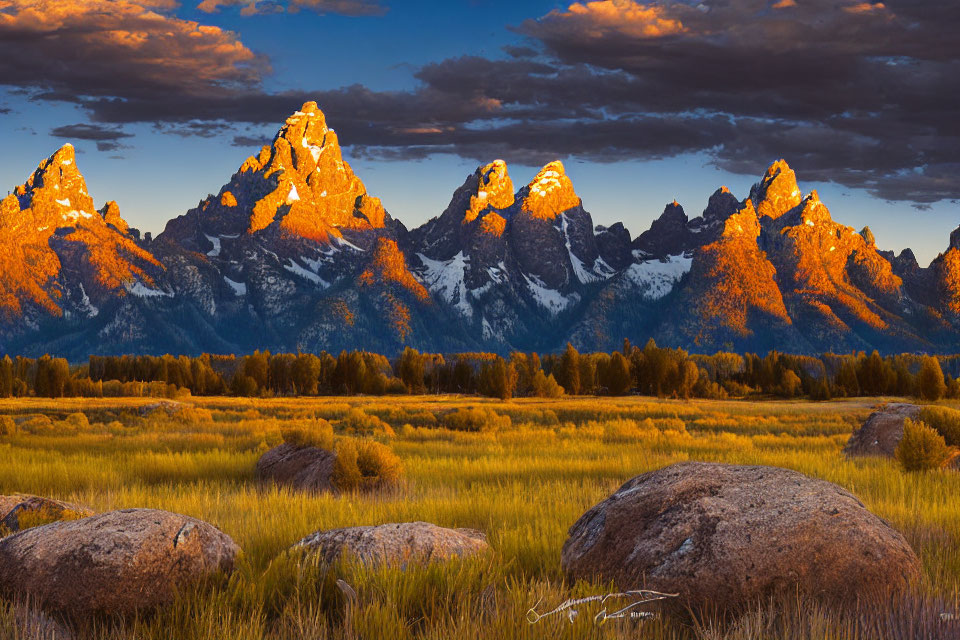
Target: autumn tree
{"type": "Point", "coordinates": [498, 379]}
{"type": "Point", "coordinates": [6, 377]}
{"type": "Point", "coordinates": [930, 382]}
{"type": "Point", "coordinates": [545, 386]}
{"type": "Point", "coordinates": [53, 377]}
{"type": "Point", "coordinates": [350, 373]}
{"type": "Point", "coordinates": [567, 371]}
{"type": "Point", "coordinates": [615, 376]}
{"type": "Point", "coordinates": [305, 374]}
{"type": "Point", "coordinates": [411, 370]}
{"type": "Point", "coordinates": [257, 366]}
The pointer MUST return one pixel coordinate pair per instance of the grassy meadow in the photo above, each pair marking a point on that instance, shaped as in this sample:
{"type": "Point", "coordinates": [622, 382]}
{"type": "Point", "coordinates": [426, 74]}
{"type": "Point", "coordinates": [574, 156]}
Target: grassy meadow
{"type": "Point", "coordinates": [527, 472]}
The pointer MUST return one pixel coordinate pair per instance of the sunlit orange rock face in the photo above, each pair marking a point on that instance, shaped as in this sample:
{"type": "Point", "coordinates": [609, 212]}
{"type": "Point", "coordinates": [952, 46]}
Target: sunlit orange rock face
{"type": "Point", "coordinates": [389, 267]}
{"type": "Point", "coordinates": [316, 192]}
{"type": "Point", "coordinates": [734, 281]}
{"type": "Point", "coordinates": [494, 191]}
{"type": "Point", "coordinates": [830, 268]}
{"type": "Point", "coordinates": [948, 276]}
{"type": "Point", "coordinates": [550, 193]}
{"type": "Point", "coordinates": [55, 244]}
{"type": "Point", "coordinates": [777, 193]}
{"type": "Point", "coordinates": [298, 186]}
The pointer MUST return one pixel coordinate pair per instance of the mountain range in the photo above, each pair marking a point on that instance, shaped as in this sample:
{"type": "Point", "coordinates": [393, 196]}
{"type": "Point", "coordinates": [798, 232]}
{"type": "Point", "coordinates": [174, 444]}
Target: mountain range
{"type": "Point", "coordinates": [294, 254]}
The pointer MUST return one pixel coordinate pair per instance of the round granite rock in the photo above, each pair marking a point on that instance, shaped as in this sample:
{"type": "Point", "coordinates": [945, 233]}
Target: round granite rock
{"type": "Point", "coordinates": [116, 563]}
{"type": "Point", "coordinates": [725, 536]}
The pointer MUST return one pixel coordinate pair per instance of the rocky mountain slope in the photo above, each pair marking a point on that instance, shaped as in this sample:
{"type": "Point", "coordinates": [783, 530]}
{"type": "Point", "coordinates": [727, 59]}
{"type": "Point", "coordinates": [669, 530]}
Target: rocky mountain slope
{"type": "Point", "coordinates": [293, 253]}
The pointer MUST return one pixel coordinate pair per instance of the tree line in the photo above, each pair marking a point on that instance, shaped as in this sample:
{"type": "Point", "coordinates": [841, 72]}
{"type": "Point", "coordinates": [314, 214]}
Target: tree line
{"type": "Point", "coordinates": [650, 370]}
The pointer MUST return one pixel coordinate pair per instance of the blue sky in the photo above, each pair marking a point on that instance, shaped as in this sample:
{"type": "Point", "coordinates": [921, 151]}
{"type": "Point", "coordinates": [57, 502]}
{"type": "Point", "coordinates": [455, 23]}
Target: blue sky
{"type": "Point", "coordinates": [158, 167]}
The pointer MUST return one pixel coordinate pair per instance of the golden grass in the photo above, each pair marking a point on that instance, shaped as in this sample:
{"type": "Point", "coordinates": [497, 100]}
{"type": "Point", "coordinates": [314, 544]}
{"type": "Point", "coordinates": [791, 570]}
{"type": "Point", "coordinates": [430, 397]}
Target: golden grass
{"type": "Point", "coordinates": [523, 483]}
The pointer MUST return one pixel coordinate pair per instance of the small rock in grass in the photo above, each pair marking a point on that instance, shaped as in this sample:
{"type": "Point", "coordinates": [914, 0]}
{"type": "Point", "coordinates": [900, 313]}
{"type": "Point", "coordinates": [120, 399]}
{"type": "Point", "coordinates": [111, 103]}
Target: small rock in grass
{"type": "Point", "coordinates": [882, 431]}
{"type": "Point", "coordinates": [23, 511]}
{"type": "Point", "coordinates": [396, 543]}
{"type": "Point", "coordinates": [304, 468]}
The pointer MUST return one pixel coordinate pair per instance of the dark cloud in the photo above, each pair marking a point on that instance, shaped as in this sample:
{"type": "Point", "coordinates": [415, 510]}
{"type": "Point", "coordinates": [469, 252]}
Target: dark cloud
{"type": "Point", "coordinates": [106, 138]}
{"type": "Point", "coordinates": [250, 141]}
{"type": "Point", "coordinates": [76, 50]}
{"type": "Point", "coordinates": [342, 7]}
{"type": "Point", "coordinates": [94, 132]}
{"type": "Point", "coordinates": [515, 51]}
{"type": "Point", "coordinates": [861, 93]}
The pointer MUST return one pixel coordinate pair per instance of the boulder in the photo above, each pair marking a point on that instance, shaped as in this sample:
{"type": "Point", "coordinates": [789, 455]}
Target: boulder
{"type": "Point", "coordinates": [21, 510]}
{"type": "Point", "coordinates": [304, 468]}
{"type": "Point", "coordinates": [396, 543]}
{"type": "Point", "coordinates": [118, 562]}
{"type": "Point", "coordinates": [725, 536]}
{"type": "Point", "coordinates": [882, 432]}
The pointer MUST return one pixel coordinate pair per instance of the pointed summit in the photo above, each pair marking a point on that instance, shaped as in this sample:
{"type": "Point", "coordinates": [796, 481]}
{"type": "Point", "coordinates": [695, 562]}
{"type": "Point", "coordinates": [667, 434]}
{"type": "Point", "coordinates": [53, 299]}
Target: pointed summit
{"type": "Point", "coordinates": [56, 189]}
{"type": "Point", "coordinates": [722, 205]}
{"type": "Point", "coordinates": [550, 193]}
{"type": "Point", "coordinates": [300, 183]}
{"type": "Point", "coordinates": [494, 190]}
{"type": "Point", "coordinates": [57, 253]}
{"type": "Point", "coordinates": [668, 235]}
{"type": "Point", "coordinates": [777, 192]}
{"type": "Point", "coordinates": [955, 239]}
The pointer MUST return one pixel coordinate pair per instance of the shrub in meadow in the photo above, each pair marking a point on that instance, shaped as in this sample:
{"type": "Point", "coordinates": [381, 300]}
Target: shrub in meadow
{"type": "Point", "coordinates": [921, 448]}
{"type": "Point", "coordinates": [7, 426]}
{"type": "Point", "coordinates": [946, 421]}
{"type": "Point", "coordinates": [359, 422]}
{"type": "Point", "coordinates": [365, 464]}
{"type": "Point", "coordinates": [309, 433]}
{"type": "Point", "coordinates": [476, 419]}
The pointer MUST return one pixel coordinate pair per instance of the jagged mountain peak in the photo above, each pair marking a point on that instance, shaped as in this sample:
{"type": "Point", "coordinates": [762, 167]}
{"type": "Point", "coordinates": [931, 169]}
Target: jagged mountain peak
{"type": "Point", "coordinates": [55, 189]}
{"type": "Point", "coordinates": [110, 212]}
{"type": "Point", "coordinates": [299, 186]}
{"type": "Point", "coordinates": [316, 190]}
{"type": "Point", "coordinates": [494, 190]}
{"type": "Point", "coordinates": [550, 193]}
{"type": "Point", "coordinates": [812, 211]}
{"type": "Point", "coordinates": [778, 192]}
{"type": "Point", "coordinates": [668, 235]}
{"type": "Point", "coordinates": [955, 239]}
{"type": "Point", "coordinates": [745, 223]}
{"type": "Point", "coordinates": [58, 253]}
{"type": "Point", "coordinates": [722, 205]}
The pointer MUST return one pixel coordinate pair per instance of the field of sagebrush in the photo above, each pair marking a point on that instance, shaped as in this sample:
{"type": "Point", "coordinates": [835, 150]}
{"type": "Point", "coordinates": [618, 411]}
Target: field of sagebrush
{"type": "Point", "coordinates": [522, 471]}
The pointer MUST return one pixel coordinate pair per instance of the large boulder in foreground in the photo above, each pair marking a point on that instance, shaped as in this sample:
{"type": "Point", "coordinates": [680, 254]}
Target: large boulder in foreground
{"type": "Point", "coordinates": [304, 468]}
{"type": "Point", "coordinates": [725, 536]}
{"type": "Point", "coordinates": [882, 432]}
{"type": "Point", "coordinates": [396, 543]}
{"type": "Point", "coordinates": [21, 511]}
{"type": "Point", "coordinates": [117, 562]}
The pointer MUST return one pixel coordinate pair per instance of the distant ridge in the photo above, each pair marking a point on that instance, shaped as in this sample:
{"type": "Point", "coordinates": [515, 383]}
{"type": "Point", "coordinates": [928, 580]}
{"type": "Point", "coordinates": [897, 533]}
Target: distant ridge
{"type": "Point", "coordinates": [294, 254]}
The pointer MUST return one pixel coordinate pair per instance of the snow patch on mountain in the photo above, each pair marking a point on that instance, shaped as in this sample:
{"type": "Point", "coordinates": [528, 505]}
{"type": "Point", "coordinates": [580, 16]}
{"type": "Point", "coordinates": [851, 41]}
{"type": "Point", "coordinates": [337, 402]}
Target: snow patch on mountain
{"type": "Point", "coordinates": [306, 274]}
{"type": "Point", "coordinates": [656, 278]}
{"type": "Point", "coordinates": [446, 279]}
{"type": "Point", "coordinates": [550, 299]}
{"type": "Point", "coordinates": [343, 241]}
{"type": "Point", "coordinates": [239, 288]}
{"type": "Point", "coordinates": [86, 305]}
{"type": "Point", "coordinates": [142, 291]}
{"type": "Point", "coordinates": [215, 241]}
